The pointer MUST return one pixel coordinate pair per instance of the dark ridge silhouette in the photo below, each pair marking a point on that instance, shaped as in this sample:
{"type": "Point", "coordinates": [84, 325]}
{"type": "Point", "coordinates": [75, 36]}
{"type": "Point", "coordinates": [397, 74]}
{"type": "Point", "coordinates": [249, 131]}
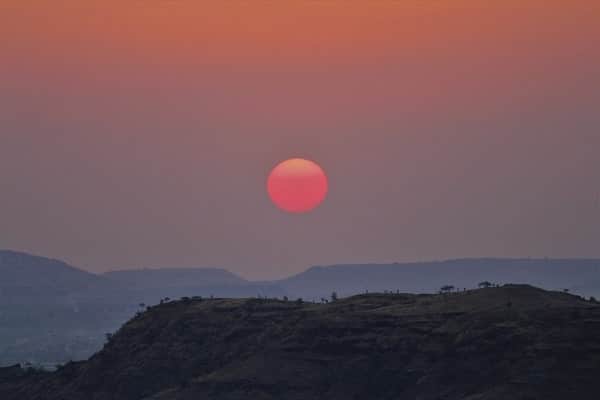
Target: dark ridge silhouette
{"type": "Point", "coordinates": [511, 342]}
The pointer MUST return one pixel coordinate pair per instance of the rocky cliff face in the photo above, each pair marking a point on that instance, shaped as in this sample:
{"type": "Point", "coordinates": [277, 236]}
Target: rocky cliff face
{"type": "Point", "coordinates": [514, 342]}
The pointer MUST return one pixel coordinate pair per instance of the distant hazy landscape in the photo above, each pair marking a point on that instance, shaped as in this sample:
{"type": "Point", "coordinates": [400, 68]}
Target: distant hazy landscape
{"type": "Point", "coordinates": [51, 312]}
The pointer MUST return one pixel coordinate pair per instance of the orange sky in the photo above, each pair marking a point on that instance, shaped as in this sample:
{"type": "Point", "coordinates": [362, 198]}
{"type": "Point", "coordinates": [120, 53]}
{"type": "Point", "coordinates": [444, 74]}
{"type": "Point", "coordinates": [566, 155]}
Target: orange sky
{"type": "Point", "coordinates": [264, 32]}
{"type": "Point", "coordinates": [157, 115]}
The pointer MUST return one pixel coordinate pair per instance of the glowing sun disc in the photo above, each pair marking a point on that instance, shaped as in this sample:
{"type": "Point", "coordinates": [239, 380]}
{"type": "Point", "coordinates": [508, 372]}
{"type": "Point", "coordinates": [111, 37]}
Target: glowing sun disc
{"type": "Point", "coordinates": [297, 185]}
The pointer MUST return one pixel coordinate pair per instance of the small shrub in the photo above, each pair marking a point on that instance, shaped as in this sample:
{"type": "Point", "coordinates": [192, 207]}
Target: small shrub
{"type": "Point", "coordinates": [446, 289]}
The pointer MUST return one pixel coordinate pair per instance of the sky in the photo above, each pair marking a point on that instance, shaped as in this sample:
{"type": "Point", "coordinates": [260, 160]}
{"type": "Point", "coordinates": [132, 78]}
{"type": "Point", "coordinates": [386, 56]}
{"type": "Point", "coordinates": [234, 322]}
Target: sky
{"type": "Point", "coordinates": [141, 133]}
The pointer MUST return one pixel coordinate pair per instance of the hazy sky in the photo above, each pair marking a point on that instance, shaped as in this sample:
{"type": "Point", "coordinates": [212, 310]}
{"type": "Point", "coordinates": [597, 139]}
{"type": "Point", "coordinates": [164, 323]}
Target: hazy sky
{"type": "Point", "coordinates": [140, 133]}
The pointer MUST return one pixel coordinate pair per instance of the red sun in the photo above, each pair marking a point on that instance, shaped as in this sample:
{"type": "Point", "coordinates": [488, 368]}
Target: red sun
{"type": "Point", "coordinates": [297, 185]}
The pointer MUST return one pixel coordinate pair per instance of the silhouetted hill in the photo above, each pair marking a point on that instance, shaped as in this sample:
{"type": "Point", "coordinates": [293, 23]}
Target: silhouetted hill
{"type": "Point", "coordinates": [428, 277]}
{"type": "Point", "coordinates": [513, 342]}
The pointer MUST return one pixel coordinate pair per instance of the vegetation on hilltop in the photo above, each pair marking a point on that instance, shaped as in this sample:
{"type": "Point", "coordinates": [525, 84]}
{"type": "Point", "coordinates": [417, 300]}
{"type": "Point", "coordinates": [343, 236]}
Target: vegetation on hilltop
{"type": "Point", "coordinates": [511, 342]}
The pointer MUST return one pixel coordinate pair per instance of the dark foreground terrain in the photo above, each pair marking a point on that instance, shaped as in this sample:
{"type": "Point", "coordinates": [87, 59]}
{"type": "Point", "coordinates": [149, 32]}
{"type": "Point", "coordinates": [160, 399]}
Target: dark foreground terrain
{"type": "Point", "coordinates": [513, 342]}
{"type": "Point", "coordinates": [52, 312]}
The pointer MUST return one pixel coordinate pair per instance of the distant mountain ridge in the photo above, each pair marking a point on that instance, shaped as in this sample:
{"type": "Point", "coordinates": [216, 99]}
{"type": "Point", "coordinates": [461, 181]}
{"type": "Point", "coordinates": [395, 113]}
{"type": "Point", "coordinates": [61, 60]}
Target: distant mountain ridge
{"type": "Point", "coordinates": [428, 277]}
{"type": "Point", "coordinates": [150, 285]}
{"type": "Point", "coordinates": [161, 277]}
{"type": "Point", "coordinates": [22, 271]}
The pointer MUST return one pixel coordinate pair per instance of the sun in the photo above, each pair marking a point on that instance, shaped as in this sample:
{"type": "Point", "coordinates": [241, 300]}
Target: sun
{"type": "Point", "coordinates": [297, 185]}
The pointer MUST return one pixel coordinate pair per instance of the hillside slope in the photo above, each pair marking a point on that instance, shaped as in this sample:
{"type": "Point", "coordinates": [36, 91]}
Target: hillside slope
{"type": "Point", "coordinates": [514, 342]}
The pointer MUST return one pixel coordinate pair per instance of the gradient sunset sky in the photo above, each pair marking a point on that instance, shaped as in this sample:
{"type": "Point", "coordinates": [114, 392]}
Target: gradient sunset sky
{"type": "Point", "coordinates": [140, 133]}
